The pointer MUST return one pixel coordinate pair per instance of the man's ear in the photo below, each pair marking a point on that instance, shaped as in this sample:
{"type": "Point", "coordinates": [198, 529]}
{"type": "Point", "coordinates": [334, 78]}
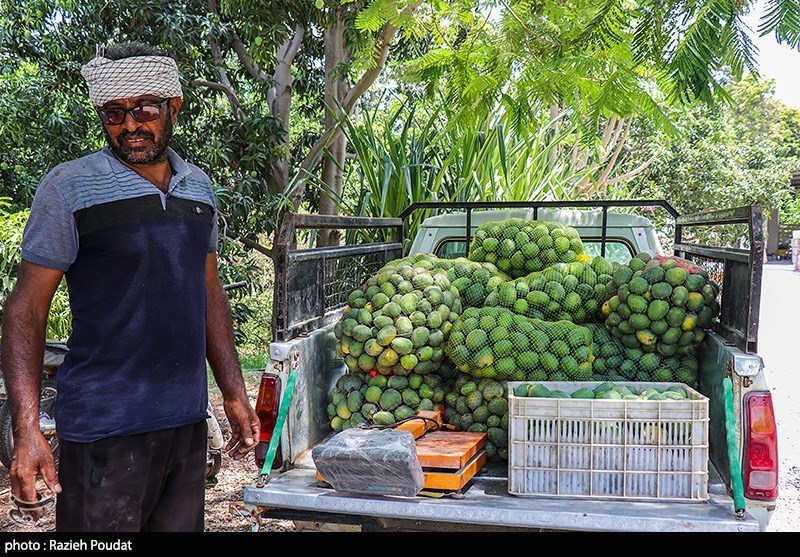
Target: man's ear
{"type": "Point", "coordinates": [175, 104]}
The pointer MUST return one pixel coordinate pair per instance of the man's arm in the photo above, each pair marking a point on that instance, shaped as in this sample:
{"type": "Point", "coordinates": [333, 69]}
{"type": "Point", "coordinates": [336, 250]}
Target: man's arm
{"type": "Point", "coordinates": [24, 324]}
{"type": "Point", "coordinates": [221, 354]}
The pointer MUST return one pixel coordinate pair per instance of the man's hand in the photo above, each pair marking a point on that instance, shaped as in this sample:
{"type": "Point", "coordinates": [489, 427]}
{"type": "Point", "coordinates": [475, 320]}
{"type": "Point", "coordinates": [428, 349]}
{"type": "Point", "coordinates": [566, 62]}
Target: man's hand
{"type": "Point", "coordinates": [245, 427]}
{"type": "Point", "coordinates": [24, 322]}
{"type": "Point", "coordinates": [32, 457]}
{"type": "Point", "coordinates": [221, 354]}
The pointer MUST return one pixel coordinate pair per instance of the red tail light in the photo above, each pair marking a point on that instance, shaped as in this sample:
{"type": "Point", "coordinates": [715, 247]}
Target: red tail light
{"type": "Point", "coordinates": [267, 404]}
{"type": "Point", "coordinates": [760, 447]}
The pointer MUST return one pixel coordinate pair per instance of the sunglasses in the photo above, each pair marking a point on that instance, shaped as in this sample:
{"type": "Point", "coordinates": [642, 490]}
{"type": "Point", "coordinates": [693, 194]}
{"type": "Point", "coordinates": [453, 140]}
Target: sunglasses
{"type": "Point", "coordinates": [141, 113]}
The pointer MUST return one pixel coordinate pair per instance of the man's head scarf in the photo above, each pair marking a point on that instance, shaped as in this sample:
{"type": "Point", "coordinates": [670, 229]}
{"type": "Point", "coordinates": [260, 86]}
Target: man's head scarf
{"type": "Point", "coordinates": [131, 77]}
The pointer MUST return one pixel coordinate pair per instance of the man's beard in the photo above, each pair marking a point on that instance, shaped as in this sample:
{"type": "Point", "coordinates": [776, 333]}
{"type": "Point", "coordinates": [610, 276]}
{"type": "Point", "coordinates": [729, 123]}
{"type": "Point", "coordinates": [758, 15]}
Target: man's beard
{"type": "Point", "coordinates": [155, 152]}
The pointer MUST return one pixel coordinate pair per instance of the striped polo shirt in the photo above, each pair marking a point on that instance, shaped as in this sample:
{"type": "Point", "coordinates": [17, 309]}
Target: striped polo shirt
{"type": "Point", "coordinates": [134, 260]}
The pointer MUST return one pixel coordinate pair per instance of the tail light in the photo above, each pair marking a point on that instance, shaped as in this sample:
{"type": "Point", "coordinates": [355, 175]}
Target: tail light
{"type": "Point", "coordinates": [760, 447]}
{"type": "Point", "coordinates": [267, 404]}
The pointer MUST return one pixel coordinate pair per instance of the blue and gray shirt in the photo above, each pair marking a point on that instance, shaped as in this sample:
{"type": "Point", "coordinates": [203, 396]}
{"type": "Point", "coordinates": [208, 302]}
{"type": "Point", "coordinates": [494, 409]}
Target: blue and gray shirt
{"type": "Point", "coordinates": [134, 260]}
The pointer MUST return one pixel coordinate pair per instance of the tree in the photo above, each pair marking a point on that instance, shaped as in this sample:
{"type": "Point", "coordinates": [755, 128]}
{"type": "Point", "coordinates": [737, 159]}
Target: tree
{"type": "Point", "coordinates": [245, 64]}
{"type": "Point", "coordinates": [268, 84]}
{"type": "Point", "coordinates": [357, 37]}
{"type": "Point", "coordinates": [736, 154]}
{"type": "Point", "coordinates": [599, 64]}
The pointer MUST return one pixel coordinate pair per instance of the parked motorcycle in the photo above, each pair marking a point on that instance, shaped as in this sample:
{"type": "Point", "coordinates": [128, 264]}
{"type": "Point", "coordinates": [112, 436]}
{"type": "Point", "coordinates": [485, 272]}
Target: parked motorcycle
{"type": "Point", "coordinates": [54, 354]}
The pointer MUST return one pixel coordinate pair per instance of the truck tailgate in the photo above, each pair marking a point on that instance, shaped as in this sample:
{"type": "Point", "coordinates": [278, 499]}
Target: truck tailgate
{"type": "Point", "coordinates": [486, 503]}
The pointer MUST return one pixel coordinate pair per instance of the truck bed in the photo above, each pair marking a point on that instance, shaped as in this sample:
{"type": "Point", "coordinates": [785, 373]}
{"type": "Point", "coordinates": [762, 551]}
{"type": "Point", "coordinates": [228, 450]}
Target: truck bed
{"type": "Point", "coordinates": [297, 495]}
{"type": "Point", "coordinates": [485, 503]}
{"type": "Point", "coordinates": [310, 290]}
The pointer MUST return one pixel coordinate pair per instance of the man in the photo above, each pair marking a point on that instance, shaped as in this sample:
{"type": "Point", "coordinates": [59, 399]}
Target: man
{"type": "Point", "coordinates": [133, 229]}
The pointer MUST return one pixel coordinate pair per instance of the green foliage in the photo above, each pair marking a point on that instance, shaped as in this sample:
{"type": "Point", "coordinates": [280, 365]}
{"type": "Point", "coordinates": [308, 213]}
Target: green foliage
{"type": "Point", "coordinates": [595, 57]}
{"type": "Point", "coordinates": [48, 118]}
{"type": "Point", "coordinates": [11, 227]}
{"type": "Point", "coordinates": [742, 153]}
{"type": "Point", "coordinates": [716, 38]}
{"type": "Point", "coordinates": [727, 155]}
{"type": "Point", "coordinates": [41, 127]}
{"type": "Point", "coordinates": [782, 17]}
{"type": "Point", "coordinates": [790, 211]}
{"type": "Point", "coordinates": [406, 151]}
{"type": "Point", "coordinates": [12, 224]}
{"type": "Point", "coordinates": [251, 305]}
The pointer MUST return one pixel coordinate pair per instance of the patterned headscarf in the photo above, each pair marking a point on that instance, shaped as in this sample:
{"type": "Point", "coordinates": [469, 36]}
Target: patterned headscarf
{"type": "Point", "coordinates": [131, 77]}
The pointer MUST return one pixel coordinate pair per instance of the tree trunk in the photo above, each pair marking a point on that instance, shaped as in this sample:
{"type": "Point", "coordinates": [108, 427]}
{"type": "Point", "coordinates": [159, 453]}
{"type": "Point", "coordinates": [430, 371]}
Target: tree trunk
{"type": "Point", "coordinates": [280, 102]}
{"type": "Point", "coordinates": [335, 92]}
{"type": "Point", "coordinates": [554, 152]}
{"type": "Point", "coordinates": [366, 80]}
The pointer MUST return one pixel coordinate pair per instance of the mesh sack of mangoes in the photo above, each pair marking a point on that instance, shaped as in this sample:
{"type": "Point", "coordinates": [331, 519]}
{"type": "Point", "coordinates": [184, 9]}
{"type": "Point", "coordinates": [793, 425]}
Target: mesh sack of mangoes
{"type": "Point", "coordinates": [528, 304]}
{"type": "Point", "coordinates": [613, 361]}
{"type": "Point", "coordinates": [561, 292]}
{"type": "Point", "coordinates": [361, 398]}
{"type": "Point", "coordinates": [518, 246]}
{"type": "Point", "coordinates": [496, 342]}
{"type": "Point", "coordinates": [661, 304]}
{"type": "Point", "coordinates": [398, 321]}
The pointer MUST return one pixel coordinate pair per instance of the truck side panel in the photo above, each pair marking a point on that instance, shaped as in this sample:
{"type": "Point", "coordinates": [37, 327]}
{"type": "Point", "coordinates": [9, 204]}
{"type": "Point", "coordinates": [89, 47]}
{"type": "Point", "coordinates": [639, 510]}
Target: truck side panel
{"type": "Point", "coordinates": [318, 367]}
{"type": "Point", "coordinates": [718, 359]}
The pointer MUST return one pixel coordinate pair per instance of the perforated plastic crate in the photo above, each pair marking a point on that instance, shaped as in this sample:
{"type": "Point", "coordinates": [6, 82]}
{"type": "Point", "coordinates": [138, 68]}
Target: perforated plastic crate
{"type": "Point", "coordinates": [608, 448]}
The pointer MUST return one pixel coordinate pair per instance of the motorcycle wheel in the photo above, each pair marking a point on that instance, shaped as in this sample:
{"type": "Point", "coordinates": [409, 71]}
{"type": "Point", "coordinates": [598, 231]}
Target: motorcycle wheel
{"type": "Point", "coordinates": [47, 402]}
{"type": "Point", "coordinates": [213, 465]}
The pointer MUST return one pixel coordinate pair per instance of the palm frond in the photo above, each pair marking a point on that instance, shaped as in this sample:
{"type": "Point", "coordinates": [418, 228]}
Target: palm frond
{"type": "Point", "coordinates": [782, 17]}
{"type": "Point", "coordinates": [696, 53]}
{"type": "Point", "coordinates": [650, 34]}
{"type": "Point", "coordinates": [738, 49]}
{"type": "Point", "coordinates": [606, 27]}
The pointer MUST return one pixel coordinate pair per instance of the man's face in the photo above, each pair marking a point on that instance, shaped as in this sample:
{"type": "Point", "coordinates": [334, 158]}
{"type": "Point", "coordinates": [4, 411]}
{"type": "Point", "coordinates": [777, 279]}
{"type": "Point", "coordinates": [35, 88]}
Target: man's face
{"type": "Point", "coordinates": [142, 142]}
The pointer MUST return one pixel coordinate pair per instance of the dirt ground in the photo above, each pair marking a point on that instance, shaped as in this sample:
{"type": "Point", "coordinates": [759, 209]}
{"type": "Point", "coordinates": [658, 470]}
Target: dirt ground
{"type": "Point", "coordinates": [223, 500]}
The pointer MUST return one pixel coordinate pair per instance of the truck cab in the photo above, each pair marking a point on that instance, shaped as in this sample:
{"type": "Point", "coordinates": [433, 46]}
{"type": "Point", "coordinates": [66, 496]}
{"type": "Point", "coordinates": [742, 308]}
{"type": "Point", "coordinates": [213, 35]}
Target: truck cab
{"type": "Point", "coordinates": [626, 234]}
{"type": "Point", "coordinates": [312, 287]}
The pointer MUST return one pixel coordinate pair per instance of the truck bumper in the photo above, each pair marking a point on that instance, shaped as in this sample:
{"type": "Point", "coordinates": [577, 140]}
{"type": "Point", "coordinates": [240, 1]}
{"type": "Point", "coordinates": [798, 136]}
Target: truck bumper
{"type": "Point", "coordinates": [485, 504]}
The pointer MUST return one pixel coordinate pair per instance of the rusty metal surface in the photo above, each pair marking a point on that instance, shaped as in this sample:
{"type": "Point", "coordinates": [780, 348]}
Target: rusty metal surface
{"type": "Point", "coordinates": [312, 285]}
{"type": "Point", "coordinates": [736, 269]}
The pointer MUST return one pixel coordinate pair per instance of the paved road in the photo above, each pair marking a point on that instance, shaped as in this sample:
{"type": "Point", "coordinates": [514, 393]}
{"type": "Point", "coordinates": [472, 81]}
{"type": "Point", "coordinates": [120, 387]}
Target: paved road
{"type": "Point", "coordinates": [779, 346]}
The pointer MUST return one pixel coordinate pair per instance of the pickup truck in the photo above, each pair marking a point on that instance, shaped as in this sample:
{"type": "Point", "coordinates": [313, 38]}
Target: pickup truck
{"type": "Point", "coordinates": [311, 288]}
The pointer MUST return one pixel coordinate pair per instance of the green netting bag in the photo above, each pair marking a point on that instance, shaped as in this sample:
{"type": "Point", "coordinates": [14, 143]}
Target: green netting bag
{"type": "Point", "coordinates": [475, 280]}
{"type": "Point", "coordinates": [495, 342]}
{"type": "Point", "coordinates": [472, 279]}
{"type": "Point", "coordinates": [614, 362]}
{"type": "Point", "coordinates": [562, 292]}
{"type": "Point", "coordinates": [426, 261]}
{"type": "Point", "coordinates": [661, 304]}
{"type": "Point", "coordinates": [480, 405]}
{"type": "Point", "coordinates": [359, 398]}
{"type": "Point", "coordinates": [519, 247]}
{"type": "Point", "coordinates": [398, 321]}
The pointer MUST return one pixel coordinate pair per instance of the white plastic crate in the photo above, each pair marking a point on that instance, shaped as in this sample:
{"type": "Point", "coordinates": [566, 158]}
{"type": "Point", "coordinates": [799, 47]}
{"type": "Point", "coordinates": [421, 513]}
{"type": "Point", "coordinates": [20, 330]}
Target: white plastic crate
{"type": "Point", "coordinates": [608, 448]}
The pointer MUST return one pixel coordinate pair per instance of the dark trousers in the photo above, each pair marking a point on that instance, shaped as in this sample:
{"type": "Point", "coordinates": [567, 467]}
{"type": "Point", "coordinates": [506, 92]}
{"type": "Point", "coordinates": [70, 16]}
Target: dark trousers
{"type": "Point", "coordinates": [152, 482]}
